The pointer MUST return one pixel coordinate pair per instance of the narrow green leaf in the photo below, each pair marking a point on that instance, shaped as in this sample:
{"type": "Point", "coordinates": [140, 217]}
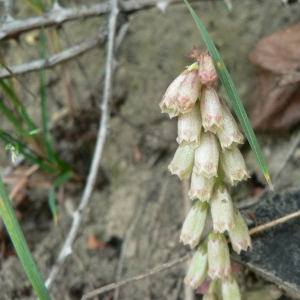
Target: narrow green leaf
{"type": "Point", "coordinates": [51, 200]}
{"type": "Point", "coordinates": [10, 92]}
{"type": "Point", "coordinates": [46, 130]}
{"type": "Point", "coordinates": [20, 244]}
{"type": "Point", "coordinates": [233, 95]}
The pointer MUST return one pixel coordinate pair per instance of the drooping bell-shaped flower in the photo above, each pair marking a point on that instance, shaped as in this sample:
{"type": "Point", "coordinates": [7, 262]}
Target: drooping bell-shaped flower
{"type": "Point", "coordinates": [201, 187]}
{"type": "Point", "coordinates": [207, 72]}
{"type": "Point", "coordinates": [239, 235]}
{"type": "Point", "coordinates": [182, 93]}
{"type": "Point", "coordinates": [211, 110]}
{"type": "Point", "coordinates": [189, 127]}
{"type": "Point", "coordinates": [230, 289]}
{"type": "Point", "coordinates": [270, 291]}
{"type": "Point", "coordinates": [194, 224]}
{"type": "Point", "coordinates": [234, 166]}
{"type": "Point", "coordinates": [222, 211]}
{"type": "Point", "coordinates": [218, 256]}
{"type": "Point", "coordinates": [198, 268]}
{"type": "Point", "coordinates": [207, 156]}
{"type": "Point", "coordinates": [182, 163]}
{"type": "Point", "coordinates": [229, 135]}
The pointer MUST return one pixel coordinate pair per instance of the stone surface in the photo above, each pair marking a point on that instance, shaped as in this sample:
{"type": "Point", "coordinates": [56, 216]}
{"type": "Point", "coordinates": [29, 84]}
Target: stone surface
{"type": "Point", "coordinates": [276, 251]}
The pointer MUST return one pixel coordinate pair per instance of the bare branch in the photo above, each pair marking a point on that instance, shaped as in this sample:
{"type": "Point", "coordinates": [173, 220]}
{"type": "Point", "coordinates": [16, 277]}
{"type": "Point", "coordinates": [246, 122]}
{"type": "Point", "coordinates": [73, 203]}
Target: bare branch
{"type": "Point", "coordinates": [136, 278]}
{"type": "Point", "coordinates": [59, 15]}
{"type": "Point", "coordinates": [77, 215]}
{"type": "Point", "coordinates": [58, 58]}
{"type": "Point", "coordinates": [55, 17]}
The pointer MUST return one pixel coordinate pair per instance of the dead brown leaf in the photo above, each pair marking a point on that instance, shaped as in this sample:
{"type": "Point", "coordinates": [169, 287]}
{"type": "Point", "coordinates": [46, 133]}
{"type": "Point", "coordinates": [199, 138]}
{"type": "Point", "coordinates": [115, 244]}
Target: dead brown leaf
{"type": "Point", "coordinates": [95, 243]}
{"type": "Point", "coordinates": [275, 94]}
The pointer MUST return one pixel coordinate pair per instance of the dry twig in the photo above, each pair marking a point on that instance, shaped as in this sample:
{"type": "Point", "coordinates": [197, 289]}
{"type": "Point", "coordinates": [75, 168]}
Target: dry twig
{"type": "Point", "coordinates": [77, 215]}
{"type": "Point", "coordinates": [58, 58]}
{"type": "Point", "coordinates": [153, 271]}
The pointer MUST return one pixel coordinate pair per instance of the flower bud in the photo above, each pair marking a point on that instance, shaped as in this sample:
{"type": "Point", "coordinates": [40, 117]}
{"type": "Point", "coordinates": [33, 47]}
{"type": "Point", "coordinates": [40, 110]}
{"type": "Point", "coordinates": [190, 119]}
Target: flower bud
{"type": "Point", "coordinates": [207, 72]}
{"type": "Point", "coordinates": [222, 209]}
{"type": "Point", "coordinates": [230, 289]}
{"type": "Point", "coordinates": [239, 235]}
{"type": "Point", "coordinates": [189, 127]}
{"type": "Point", "coordinates": [194, 224]}
{"type": "Point", "coordinates": [182, 163]}
{"type": "Point", "coordinates": [210, 296]}
{"type": "Point", "coordinates": [198, 268]}
{"type": "Point", "coordinates": [182, 93]}
{"type": "Point", "coordinates": [207, 156]}
{"type": "Point", "coordinates": [218, 256]}
{"type": "Point", "coordinates": [234, 166]}
{"type": "Point", "coordinates": [229, 135]}
{"type": "Point", "coordinates": [201, 187]}
{"type": "Point", "coordinates": [270, 292]}
{"type": "Point", "coordinates": [211, 110]}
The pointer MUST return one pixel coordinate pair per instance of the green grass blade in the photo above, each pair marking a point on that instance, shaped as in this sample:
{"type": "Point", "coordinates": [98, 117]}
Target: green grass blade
{"type": "Point", "coordinates": [9, 91]}
{"type": "Point", "coordinates": [233, 95]}
{"type": "Point", "coordinates": [11, 118]}
{"type": "Point", "coordinates": [47, 134]}
{"type": "Point", "coordinates": [51, 200]}
{"type": "Point", "coordinates": [20, 244]}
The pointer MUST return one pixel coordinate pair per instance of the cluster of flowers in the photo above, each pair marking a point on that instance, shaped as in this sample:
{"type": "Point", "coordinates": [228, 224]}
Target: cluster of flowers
{"type": "Point", "coordinates": [208, 137]}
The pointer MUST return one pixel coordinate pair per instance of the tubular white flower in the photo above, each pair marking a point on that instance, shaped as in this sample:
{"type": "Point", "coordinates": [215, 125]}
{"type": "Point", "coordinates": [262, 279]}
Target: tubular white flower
{"type": "Point", "coordinates": [239, 235]}
{"type": "Point", "coordinates": [207, 156]}
{"type": "Point", "coordinates": [211, 110]}
{"type": "Point", "coordinates": [194, 224]}
{"type": "Point", "coordinates": [182, 163]}
{"type": "Point", "coordinates": [168, 102]}
{"type": "Point", "coordinates": [207, 72]}
{"type": "Point", "coordinates": [189, 91]}
{"type": "Point", "coordinates": [229, 135]}
{"type": "Point", "coordinates": [218, 256]}
{"type": "Point", "coordinates": [222, 209]}
{"type": "Point", "coordinates": [198, 268]}
{"type": "Point", "coordinates": [230, 289]}
{"type": "Point", "coordinates": [201, 187]}
{"type": "Point", "coordinates": [189, 127]}
{"type": "Point", "coordinates": [234, 166]}
{"type": "Point", "coordinates": [182, 93]}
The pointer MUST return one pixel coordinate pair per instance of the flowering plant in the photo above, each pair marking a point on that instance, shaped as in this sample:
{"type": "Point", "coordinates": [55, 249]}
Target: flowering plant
{"type": "Point", "coordinates": [208, 153]}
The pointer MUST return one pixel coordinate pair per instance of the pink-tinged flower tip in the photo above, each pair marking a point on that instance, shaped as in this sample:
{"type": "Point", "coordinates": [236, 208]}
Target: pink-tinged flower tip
{"type": "Point", "coordinates": [201, 187]}
{"type": "Point", "coordinates": [218, 256]}
{"type": "Point", "coordinates": [234, 166]}
{"type": "Point", "coordinates": [182, 93]}
{"type": "Point", "coordinates": [230, 134]}
{"type": "Point", "coordinates": [182, 163]}
{"type": "Point", "coordinates": [207, 156]}
{"type": "Point", "coordinates": [198, 268]}
{"type": "Point", "coordinates": [222, 209]}
{"type": "Point", "coordinates": [230, 289]}
{"type": "Point", "coordinates": [239, 235]}
{"type": "Point", "coordinates": [189, 127]}
{"type": "Point", "coordinates": [211, 110]}
{"type": "Point", "coordinates": [194, 224]}
{"type": "Point", "coordinates": [207, 72]}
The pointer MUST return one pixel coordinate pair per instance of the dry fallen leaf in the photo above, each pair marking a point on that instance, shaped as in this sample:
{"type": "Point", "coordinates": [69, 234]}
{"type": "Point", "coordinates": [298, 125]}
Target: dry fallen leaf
{"type": "Point", "coordinates": [95, 243]}
{"type": "Point", "coordinates": [275, 96]}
